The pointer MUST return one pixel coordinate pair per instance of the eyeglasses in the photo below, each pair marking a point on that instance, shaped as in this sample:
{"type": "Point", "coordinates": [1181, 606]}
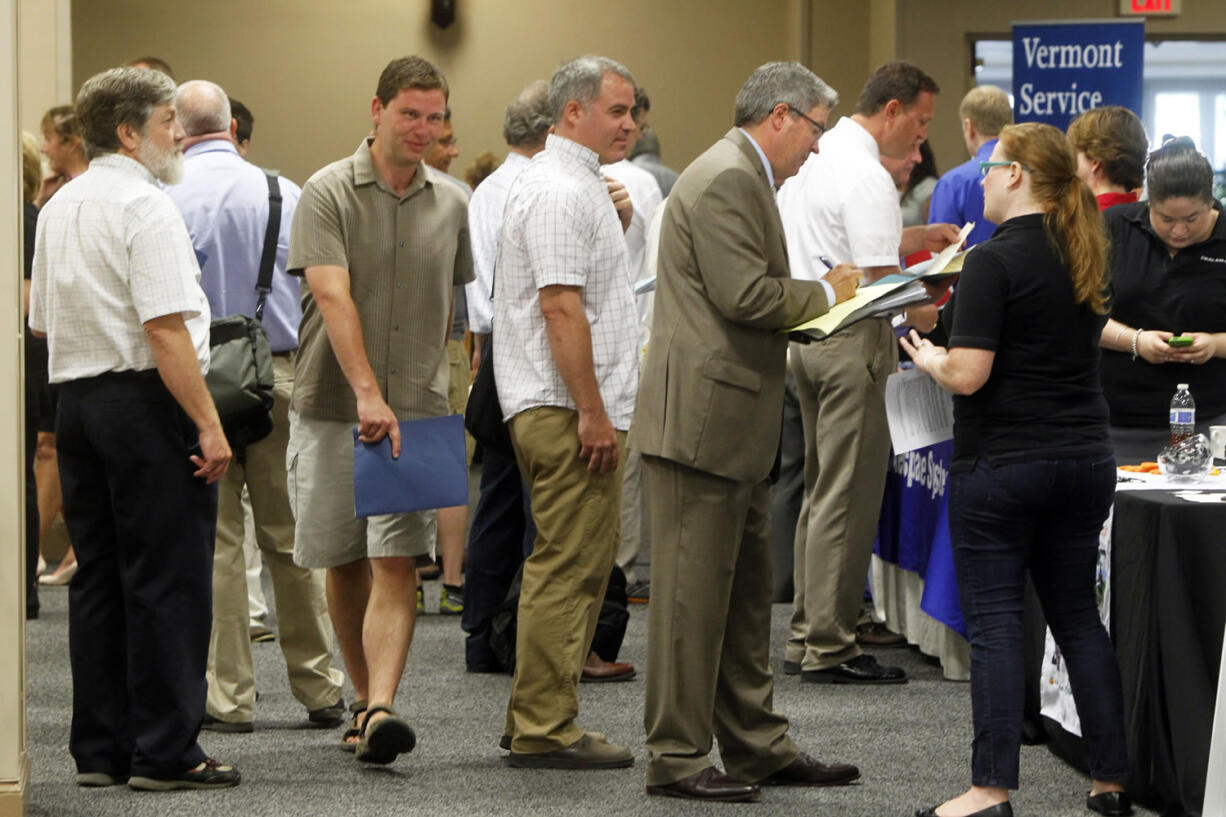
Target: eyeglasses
{"type": "Point", "coordinates": [818, 127]}
{"type": "Point", "coordinates": [984, 167]}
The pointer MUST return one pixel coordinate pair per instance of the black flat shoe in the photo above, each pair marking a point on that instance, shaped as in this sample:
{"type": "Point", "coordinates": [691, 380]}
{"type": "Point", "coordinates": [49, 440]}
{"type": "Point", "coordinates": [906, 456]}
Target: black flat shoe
{"type": "Point", "coordinates": [999, 810]}
{"type": "Point", "coordinates": [1112, 803]}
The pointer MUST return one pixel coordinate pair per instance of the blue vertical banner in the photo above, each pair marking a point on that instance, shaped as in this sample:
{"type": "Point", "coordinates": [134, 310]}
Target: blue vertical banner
{"type": "Point", "coordinates": [1061, 70]}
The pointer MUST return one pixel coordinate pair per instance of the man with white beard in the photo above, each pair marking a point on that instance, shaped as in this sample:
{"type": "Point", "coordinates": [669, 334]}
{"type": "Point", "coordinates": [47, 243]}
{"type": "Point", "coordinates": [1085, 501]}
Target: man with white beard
{"type": "Point", "coordinates": [116, 291]}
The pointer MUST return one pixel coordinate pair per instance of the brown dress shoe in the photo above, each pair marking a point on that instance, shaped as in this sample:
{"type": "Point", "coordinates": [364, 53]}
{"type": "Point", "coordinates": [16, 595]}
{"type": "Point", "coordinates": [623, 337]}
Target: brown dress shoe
{"type": "Point", "coordinates": [874, 634]}
{"type": "Point", "coordinates": [709, 784]}
{"type": "Point", "coordinates": [597, 670]}
{"type": "Point", "coordinates": [805, 771]}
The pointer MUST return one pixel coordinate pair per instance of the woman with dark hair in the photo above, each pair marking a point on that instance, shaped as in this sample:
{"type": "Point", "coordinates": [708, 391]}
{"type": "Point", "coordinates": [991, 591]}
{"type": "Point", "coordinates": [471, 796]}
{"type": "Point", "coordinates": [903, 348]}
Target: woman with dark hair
{"type": "Point", "coordinates": [1168, 277]}
{"type": "Point", "coordinates": [1032, 476]}
{"type": "Point", "coordinates": [1110, 144]}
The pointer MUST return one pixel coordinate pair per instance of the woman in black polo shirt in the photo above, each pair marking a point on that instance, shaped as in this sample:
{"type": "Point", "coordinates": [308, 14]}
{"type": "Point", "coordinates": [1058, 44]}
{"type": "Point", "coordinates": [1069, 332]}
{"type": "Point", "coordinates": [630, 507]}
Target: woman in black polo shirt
{"type": "Point", "coordinates": [1168, 276]}
{"type": "Point", "coordinates": [1033, 474]}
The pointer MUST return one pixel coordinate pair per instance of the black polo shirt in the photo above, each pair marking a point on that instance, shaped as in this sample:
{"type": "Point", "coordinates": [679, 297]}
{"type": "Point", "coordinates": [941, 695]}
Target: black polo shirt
{"type": "Point", "coordinates": [1150, 289]}
{"type": "Point", "coordinates": [1042, 399]}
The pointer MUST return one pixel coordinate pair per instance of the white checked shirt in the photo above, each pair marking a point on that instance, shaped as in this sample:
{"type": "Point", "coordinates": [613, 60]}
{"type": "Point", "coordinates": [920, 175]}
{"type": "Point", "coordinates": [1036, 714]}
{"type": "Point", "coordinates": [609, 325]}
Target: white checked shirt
{"type": "Point", "coordinates": [560, 228]}
{"type": "Point", "coordinates": [111, 253]}
{"type": "Point", "coordinates": [485, 210]}
{"type": "Point", "coordinates": [842, 204]}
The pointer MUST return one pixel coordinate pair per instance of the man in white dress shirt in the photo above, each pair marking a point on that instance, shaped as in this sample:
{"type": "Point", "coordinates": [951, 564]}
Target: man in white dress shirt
{"type": "Point", "coordinates": [116, 291]}
{"type": "Point", "coordinates": [842, 207]}
{"type": "Point", "coordinates": [645, 197]}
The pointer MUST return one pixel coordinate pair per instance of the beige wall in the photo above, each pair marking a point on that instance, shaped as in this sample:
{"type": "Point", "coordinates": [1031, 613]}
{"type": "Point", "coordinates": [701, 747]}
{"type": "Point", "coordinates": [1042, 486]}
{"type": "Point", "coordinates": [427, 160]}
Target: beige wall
{"type": "Point", "coordinates": [45, 59]}
{"type": "Point", "coordinates": [13, 764]}
{"type": "Point", "coordinates": [307, 68]}
{"type": "Point", "coordinates": [937, 37]}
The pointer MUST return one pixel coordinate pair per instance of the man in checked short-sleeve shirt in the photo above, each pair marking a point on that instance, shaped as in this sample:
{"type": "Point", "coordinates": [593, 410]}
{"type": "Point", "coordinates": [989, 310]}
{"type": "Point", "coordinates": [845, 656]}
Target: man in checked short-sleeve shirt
{"type": "Point", "coordinates": [567, 371]}
{"type": "Point", "coordinates": [382, 240]}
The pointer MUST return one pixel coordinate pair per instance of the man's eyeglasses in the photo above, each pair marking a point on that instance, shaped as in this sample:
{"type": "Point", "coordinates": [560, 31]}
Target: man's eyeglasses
{"type": "Point", "coordinates": [818, 127]}
{"type": "Point", "coordinates": [984, 167]}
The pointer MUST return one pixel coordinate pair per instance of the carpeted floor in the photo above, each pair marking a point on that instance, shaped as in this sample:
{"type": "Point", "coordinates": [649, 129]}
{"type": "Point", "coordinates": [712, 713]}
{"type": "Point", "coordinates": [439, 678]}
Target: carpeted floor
{"type": "Point", "coordinates": [912, 744]}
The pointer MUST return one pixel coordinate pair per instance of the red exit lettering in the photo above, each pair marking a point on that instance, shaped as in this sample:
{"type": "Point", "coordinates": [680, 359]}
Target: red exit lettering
{"type": "Point", "coordinates": [1151, 6]}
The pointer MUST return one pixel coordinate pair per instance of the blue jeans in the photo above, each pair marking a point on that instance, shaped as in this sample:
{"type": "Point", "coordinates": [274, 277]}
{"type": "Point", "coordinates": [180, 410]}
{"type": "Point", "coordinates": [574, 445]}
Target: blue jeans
{"type": "Point", "coordinates": [1043, 516]}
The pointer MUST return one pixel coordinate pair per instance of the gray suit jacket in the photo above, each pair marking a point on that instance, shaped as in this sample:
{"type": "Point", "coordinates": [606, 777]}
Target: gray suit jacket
{"type": "Point", "coordinates": [711, 395]}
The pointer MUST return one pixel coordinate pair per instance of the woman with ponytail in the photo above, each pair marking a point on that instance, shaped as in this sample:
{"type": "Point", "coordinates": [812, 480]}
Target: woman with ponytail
{"type": "Point", "coordinates": [1168, 277]}
{"type": "Point", "coordinates": [1033, 475]}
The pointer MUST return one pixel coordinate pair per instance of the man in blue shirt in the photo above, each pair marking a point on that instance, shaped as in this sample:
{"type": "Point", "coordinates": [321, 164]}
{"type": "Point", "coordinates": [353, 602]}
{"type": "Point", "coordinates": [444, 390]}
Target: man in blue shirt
{"type": "Point", "coordinates": [958, 196]}
{"type": "Point", "coordinates": [224, 200]}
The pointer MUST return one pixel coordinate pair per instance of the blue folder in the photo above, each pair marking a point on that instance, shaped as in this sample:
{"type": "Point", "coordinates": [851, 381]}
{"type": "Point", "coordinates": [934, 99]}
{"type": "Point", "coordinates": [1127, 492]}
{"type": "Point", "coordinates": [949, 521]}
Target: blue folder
{"type": "Point", "coordinates": [430, 473]}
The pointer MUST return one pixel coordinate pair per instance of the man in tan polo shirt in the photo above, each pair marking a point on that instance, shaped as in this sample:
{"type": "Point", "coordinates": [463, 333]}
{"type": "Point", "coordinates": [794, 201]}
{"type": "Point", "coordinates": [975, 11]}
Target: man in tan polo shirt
{"type": "Point", "coordinates": [382, 240]}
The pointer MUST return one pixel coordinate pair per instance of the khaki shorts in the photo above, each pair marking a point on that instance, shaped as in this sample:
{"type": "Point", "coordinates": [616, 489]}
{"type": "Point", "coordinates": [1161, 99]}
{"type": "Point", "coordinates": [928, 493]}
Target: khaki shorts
{"type": "Point", "coordinates": [319, 462]}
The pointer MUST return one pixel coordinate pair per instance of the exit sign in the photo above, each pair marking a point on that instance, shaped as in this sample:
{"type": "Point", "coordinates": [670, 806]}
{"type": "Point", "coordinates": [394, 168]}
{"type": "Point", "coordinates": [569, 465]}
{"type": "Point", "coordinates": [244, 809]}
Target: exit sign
{"type": "Point", "coordinates": [1150, 8]}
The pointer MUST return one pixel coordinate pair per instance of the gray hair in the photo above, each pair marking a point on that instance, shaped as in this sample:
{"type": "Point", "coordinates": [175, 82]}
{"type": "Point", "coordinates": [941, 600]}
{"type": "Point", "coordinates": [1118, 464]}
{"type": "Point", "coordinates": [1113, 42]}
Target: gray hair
{"type": "Point", "coordinates": [580, 80]}
{"type": "Point", "coordinates": [529, 117]}
{"type": "Point", "coordinates": [120, 96]}
{"type": "Point", "coordinates": [788, 82]}
{"type": "Point", "coordinates": [202, 107]}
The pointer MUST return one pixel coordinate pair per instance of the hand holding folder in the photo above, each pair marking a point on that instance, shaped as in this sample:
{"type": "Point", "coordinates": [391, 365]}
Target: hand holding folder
{"type": "Point", "coordinates": [431, 472]}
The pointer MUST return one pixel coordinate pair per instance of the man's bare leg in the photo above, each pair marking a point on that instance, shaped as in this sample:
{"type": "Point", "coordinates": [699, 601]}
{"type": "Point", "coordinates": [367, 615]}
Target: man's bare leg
{"type": "Point", "coordinates": [452, 532]}
{"type": "Point", "coordinates": [349, 590]}
{"type": "Point", "coordinates": [388, 628]}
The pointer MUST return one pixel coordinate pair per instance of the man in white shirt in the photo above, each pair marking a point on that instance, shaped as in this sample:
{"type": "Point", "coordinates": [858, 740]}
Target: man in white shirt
{"type": "Point", "coordinates": [116, 291]}
{"type": "Point", "coordinates": [225, 202]}
{"type": "Point", "coordinates": [645, 198]}
{"type": "Point", "coordinates": [842, 207]}
{"type": "Point", "coordinates": [567, 371]}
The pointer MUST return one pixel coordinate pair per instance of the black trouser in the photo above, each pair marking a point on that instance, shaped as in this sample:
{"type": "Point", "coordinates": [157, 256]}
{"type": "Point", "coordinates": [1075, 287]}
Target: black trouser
{"type": "Point", "coordinates": [32, 520]}
{"type": "Point", "coordinates": [1041, 517]}
{"type": "Point", "coordinates": [140, 605]}
{"type": "Point", "coordinates": [499, 540]}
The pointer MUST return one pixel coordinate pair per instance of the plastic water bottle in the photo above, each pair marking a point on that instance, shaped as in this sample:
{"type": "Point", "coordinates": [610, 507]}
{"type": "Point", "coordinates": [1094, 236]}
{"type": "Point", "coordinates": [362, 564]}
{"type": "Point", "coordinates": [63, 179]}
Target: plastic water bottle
{"type": "Point", "coordinates": [1183, 414]}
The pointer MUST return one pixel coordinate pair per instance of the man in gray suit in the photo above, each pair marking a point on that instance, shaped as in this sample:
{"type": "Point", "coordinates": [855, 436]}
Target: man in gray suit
{"type": "Point", "coordinates": [707, 421]}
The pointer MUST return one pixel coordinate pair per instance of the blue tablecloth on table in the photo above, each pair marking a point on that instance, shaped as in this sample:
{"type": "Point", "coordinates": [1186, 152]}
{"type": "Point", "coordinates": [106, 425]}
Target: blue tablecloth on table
{"type": "Point", "coordinates": [913, 530]}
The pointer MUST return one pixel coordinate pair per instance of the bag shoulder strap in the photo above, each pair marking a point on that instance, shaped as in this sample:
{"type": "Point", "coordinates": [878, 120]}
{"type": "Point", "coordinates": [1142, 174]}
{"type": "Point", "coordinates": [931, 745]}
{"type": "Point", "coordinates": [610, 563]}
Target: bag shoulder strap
{"type": "Point", "coordinates": [268, 258]}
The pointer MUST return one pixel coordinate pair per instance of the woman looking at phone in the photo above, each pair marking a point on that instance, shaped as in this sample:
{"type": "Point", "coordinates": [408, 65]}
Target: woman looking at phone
{"type": "Point", "coordinates": [1168, 303]}
{"type": "Point", "coordinates": [1033, 475]}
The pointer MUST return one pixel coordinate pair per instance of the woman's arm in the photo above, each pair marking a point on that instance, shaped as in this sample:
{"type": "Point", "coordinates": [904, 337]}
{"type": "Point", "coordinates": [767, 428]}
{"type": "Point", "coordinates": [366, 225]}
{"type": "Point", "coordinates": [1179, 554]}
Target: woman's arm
{"type": "Point", "coordinates": [1150, 344]}
{"type": "Point", "coordinates": [959, 370]}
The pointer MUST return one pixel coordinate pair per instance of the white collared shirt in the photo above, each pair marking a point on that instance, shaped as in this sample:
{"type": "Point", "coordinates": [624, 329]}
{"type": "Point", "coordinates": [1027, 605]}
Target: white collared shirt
{"type": "Point", "coordinates": [841, 205]}
{"type": "Point", "coordinates": [560, 228]}
{"type": "Point", "coordinates": [111, 253]}
{"type": "Point", "coordinates": [645, 197]}
{"type": "Point", "coordinates": [485, 210]}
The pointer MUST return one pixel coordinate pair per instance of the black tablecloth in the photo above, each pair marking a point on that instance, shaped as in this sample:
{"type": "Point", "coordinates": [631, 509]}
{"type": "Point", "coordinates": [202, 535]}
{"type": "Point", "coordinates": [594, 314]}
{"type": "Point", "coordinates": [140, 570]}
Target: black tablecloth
{"type": "Point", "coordinates": [1168, 611]}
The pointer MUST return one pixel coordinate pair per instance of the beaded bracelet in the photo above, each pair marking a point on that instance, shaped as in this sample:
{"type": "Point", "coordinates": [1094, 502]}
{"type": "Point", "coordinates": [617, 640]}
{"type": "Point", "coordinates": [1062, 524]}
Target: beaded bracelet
{"type": "Point", "coordinates": [1134, 343]}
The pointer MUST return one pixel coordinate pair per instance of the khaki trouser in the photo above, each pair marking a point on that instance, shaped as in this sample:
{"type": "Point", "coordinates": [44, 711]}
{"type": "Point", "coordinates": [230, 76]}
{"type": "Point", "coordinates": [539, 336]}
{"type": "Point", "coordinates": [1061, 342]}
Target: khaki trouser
{"type": "Point", "coordinates": [304, 630]}
{"type": "Point", "coordinates": [564, 579]}
{"type": "Point", "coordinates": [841, 386]}
{"type": "Point", "coordinates": [708, 627]}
